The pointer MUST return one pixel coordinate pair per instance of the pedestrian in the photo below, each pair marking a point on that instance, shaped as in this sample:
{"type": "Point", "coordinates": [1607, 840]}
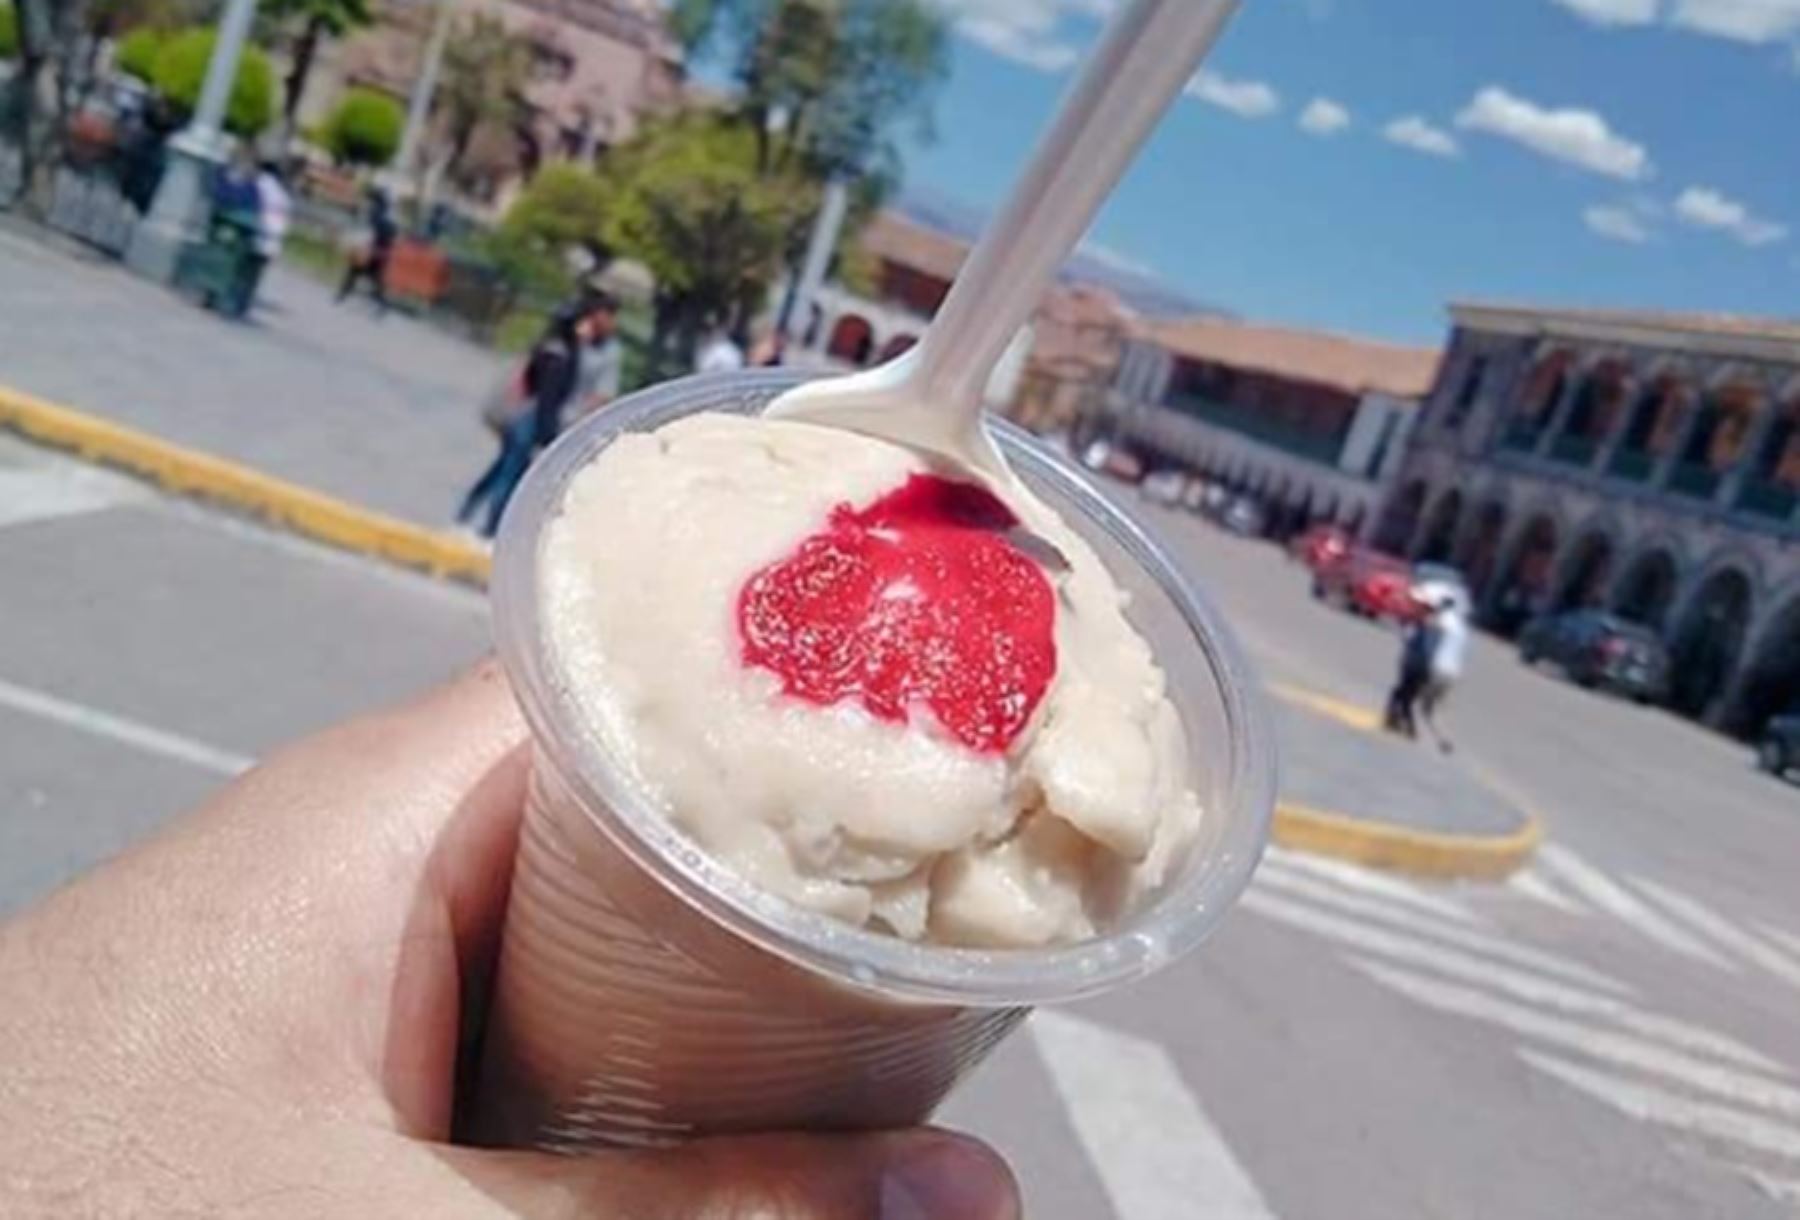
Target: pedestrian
{"type": "Point", "coordinates": [1451, 625]}
{"type": "Point", "coordinates": [549, 383]}
{"type": "Point", "coordinates": [267, 1008]}
{"type": "Point", "coordinates": [370, 262]}
{"type": "Point", "coordinates": [602, 360]}
{"type": "Point", "coordinates": [770, 352]}
{"type": "Point", "coordinates": [719, 354]}
{"type": "Point", "coordinates": [274, 209]}
{"type": "Point", "coordinates": [1418, 643]}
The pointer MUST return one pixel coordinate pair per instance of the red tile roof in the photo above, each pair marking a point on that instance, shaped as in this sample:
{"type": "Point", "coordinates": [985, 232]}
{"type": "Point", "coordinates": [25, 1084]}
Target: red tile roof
{"type": "Point", "coordinates": [1353, 365]}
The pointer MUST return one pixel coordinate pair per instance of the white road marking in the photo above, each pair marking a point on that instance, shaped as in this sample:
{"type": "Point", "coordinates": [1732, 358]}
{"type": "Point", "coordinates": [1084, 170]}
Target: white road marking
{"type": "Point", "coordinates": [1601, 891]}
{"type": "Point", "coordinates": [1369, 882]}
{"type": "Point", "coordinates": [59, 489]}
{"type": "Point", "coordinates": [1520, 985]}
{"type": "Point", "coordinates": [1624, 1050]}
{"type": "Point", "coordinates": [1647, 1103]}
{"type": "Point", "coordinates": [1782, 1190]}
{"type": "Point", "coordinates": [1781, 935]}
{"type": "Point", "coordinates": [139, 736]}
{"type": "Point", "coordinates": [1156, 1152]}
{"type": "Point", "coordinates": [1722, 930]}
{"type": "Point", "coordinates": [1454, 934]}
{"type": "Point", "coordinates": [1533, 885]}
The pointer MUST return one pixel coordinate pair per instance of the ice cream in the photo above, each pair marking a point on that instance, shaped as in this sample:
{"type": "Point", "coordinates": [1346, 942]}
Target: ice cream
{"type": "Point", "coordinates": [835, 672]}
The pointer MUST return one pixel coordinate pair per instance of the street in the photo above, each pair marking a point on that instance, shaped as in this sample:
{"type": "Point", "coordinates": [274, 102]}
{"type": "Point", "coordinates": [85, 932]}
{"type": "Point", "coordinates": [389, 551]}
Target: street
{"type": "Point", "coordinates": [1610, 1034]}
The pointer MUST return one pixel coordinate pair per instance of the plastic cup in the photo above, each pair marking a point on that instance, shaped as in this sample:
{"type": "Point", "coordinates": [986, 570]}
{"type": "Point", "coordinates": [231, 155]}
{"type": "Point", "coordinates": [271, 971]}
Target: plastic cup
{"type": "Point", "coordinates": [646, 992]}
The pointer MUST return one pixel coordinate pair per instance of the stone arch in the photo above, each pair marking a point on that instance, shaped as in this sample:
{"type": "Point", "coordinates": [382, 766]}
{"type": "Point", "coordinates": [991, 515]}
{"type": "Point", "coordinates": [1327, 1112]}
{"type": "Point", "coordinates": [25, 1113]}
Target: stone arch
{"type": "Point", "coordinates": [852, 339]}
{"type": "Point", "coordinates": [898, 345]}
{"type": "Point", "coordinates": [1716, 434]}
{"type": "Point", "coordinates": [1653, 418]}
{"type": "Point", "coordinates": [1477, 551]}
{"type": "Point", "coordinates": [1538, 395]}
{"type": "Point", "coordinates": [1586, 567]}
{"type": "Point", "coordinates": [1400, 519]}
{"type": "Point", "coordinates": [1648, 581]}
{"type": "Point", "coordinates": [1521, 585]}
{"type": "Point", "coordinates": [1768, 681]}
{"type": "Point", "coordinates": [1602, 394]}
{"type": "Point", "coordinates": [1437, 543]}
{"type": "Point", "coordinates": [1709, 637]}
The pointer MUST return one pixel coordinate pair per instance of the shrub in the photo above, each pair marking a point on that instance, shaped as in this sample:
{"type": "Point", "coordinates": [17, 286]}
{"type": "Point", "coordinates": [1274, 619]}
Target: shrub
{"type": "Point", "coordinates": [181, 70]}
{"type": "Point", "coordinates": [365, 128]}
{"type": "Point", "coordinates": [137, 52]}
{"type": "Point", "coordinates": [9, 31]}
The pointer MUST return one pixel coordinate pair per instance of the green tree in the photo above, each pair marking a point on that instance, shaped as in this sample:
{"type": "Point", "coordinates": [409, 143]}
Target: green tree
{"type": "Point", "coordinates": [137, 52]}
{"type": "Point", "coordinates": [181, 70]}
{"type": "Point", "coordinates": [307, 24]}
{"type": "Point", "coordinates": [688, 199]}
{"type": "Point", "coordinates": [9, 31]}
{"type": "Point", "coordinates": [364, 128]}
{"type": "Point", "coordinates": [486, 68]}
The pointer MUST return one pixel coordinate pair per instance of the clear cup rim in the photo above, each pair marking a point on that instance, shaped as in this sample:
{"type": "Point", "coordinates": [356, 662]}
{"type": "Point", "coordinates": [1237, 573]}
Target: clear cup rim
{"type": "Point", "coordinates": [1174, 922]}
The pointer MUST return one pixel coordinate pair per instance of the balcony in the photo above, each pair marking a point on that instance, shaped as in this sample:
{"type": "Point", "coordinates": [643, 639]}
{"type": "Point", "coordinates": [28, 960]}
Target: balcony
{"type": "Point", "coordinates": [1521, 437]}
{"type": "Point", "coordinates": [1260, 425]}
{"type": "Point", "coordinates": [1575, 450]}
{"type": "Point", "coordinates": [1768, 499]}
{"type": "Point", "coordinates": [1632, 465]}
{"type": "Point", "coordinates": [1694, 479]}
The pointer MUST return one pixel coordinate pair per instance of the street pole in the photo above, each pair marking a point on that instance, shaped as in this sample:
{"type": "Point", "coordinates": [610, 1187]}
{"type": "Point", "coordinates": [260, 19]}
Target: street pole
{"type": "Point", "coordinates": [180, 209]}
{"type": "Point", "coordinates": [819, 247]}
{"type": "Point", "coordinates": [418, 105]}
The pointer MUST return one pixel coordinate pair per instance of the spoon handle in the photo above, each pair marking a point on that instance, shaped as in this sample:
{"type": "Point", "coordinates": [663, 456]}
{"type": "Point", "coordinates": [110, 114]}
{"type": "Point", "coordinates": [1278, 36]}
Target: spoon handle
{"type": "Point", "coordinates": [1146, 56]}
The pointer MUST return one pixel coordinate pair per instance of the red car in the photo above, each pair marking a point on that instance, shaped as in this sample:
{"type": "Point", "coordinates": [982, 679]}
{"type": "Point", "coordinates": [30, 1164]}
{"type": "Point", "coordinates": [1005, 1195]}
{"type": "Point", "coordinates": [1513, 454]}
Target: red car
{"type": "Point", "coordinates": [1369, 583]}
{"type": "Point", "coordinates": [1319, 546]}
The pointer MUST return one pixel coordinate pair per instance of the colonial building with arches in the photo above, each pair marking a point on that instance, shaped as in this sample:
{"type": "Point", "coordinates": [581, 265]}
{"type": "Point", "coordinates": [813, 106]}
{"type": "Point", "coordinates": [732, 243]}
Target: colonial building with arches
{"type": "Point", "coordinates": [1641, 462]}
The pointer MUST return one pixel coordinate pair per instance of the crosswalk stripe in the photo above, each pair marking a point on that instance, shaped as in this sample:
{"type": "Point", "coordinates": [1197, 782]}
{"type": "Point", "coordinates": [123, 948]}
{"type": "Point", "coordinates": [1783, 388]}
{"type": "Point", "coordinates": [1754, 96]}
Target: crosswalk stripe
{"type": "Point", "coordinates": [1722, 930]}
{"type": "Point", "coordinates": [1647, 1103]}
{"type": "Point", "coordinates": [1368, 882]}
{"type": "Point", "coordinates": [1475, 941]}
{"type": "Point", "coordinates": [1156, 1152]}
{"type": "Point", "coordinates": [1781, 936]}
{"type": "Point", "coordinates": [1534, 885]}
{"type": "Point", "coordinates": [1624, 1050]}
{"type": "Point", "coordinates": [1518, 984]}
{"type": "Point", "coordinates": [60, 490]}
{"type": "Point", "coordinates": [1782, 1190]}
{"type": "Point", "coordinates": [1608, 895]}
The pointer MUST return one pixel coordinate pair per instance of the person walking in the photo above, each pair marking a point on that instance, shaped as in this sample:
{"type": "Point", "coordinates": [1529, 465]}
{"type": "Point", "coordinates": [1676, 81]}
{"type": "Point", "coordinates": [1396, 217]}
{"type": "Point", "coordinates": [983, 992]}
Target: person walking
{"type": "Point", "coordinates": [602, 359]}
{"type": "Point", "coordinates": [1418, 644]}
{"type": "Point", "coordinates": [274, 210]}
{"type": "Point", "coordinates": [719, 354]}
{"type": "Point", "coordinates": [551, 379]}
{"type": "Point", "coordinates": [1451, 624]}
{"type": "Point", "coordinates": [370, 263]}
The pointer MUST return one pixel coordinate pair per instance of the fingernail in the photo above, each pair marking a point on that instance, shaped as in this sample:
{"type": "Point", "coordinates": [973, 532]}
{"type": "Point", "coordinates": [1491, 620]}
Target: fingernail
{"type": "Point", "coordinates": [946, 1178]}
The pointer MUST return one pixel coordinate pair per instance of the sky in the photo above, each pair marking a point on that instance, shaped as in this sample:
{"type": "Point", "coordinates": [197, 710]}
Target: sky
{"type": "Point", "coordinates": [1358, 164]}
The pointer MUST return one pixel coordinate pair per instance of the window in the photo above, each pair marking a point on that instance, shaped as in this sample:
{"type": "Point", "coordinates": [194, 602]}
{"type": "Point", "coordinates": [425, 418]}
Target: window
{"type": "Point", "coordinates": [1474, 374]}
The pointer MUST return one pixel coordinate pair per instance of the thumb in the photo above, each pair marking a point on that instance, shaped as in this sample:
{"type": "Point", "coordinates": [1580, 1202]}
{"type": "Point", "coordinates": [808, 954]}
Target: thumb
{"type": "Point", "coordinates": [902, 1175]}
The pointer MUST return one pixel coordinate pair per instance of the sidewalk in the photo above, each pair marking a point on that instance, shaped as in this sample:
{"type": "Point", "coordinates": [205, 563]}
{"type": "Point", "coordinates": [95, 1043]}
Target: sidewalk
{"type": "Point", "coordinates": [381, 412]}
{"type": "Point", "coordinates": [1349, 789]}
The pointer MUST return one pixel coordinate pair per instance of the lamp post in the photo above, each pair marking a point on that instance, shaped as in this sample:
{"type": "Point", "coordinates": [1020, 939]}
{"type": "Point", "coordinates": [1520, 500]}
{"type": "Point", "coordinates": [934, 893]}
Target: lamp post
{"type": "Point", "coordinates": [407, 170]}
{"type": "Point", "coordinates": [179, 211]}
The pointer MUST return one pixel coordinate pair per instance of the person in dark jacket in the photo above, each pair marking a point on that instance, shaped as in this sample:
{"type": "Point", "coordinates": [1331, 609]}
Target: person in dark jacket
{"type": "Point", "coordinates": [371, 264]}
{"type": "Point", "coordinates": [1419, 646]}
{"type": "Point", "coordinates": [552, 374]}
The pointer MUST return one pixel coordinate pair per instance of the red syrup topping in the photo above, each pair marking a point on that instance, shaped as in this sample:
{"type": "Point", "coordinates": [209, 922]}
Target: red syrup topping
{"type": "Point", "coordinates": [919, 599]}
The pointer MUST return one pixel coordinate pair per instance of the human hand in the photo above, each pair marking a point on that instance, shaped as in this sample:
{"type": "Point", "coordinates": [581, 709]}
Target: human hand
{"type": "Point", "coordinates": [260, 1012]}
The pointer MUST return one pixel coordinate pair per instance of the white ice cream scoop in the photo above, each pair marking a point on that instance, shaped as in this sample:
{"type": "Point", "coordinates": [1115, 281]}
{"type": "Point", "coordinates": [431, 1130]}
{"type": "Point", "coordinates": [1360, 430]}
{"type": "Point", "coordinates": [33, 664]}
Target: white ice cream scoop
{"type": "Point", "coordinates": [930, 398]}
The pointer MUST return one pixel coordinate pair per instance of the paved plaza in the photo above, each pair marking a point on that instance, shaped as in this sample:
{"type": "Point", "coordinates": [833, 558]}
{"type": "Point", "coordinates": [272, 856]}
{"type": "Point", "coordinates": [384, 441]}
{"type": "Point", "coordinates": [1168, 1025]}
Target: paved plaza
{"type": "Point", "coordinates": [1608, 1034]}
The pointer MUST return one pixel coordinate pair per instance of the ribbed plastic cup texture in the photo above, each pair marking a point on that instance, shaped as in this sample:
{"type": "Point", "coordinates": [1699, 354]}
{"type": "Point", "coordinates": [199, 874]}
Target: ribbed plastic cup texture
{"type": "Point", "coordinates": [647, 993]}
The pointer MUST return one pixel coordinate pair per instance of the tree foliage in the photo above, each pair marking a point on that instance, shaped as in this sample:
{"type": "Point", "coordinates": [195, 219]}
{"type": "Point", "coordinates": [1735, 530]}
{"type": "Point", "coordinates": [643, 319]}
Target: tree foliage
{"type": "Point", "coordinates": [304, 25]}
{"type": "Point", "coordinates": [9, 31]}
{"type": "Point", "coordinates": [364, 128]}
{"type": "Point", "coordinates": [137, 52]}
{"type": "Point", "coordinates": [181, 71]}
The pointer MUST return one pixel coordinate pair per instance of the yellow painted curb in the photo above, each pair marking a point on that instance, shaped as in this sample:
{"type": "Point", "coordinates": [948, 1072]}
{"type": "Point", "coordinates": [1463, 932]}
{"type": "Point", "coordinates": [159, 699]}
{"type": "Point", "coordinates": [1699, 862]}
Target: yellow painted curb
{"type": "Point", "coordinates": [1421, 853]}
{"type": "Point", "coordinates": [1353, 715]}
{"type": "Point", "coordinates": [286, 505]}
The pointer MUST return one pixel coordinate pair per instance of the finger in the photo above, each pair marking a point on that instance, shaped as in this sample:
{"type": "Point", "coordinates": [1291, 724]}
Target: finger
{"type": "Point", "coordinates": [910, 1175]}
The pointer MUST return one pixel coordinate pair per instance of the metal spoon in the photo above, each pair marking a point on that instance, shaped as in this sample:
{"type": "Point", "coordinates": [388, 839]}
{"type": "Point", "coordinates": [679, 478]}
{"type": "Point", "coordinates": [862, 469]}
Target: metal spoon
{"type": "Point", "coordinates": [929, 399]}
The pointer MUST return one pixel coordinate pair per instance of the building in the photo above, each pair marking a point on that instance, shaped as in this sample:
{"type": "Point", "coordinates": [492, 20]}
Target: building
{"type": "Point", "coordinates": [1647, 463]}
{"type": "Point", "coordinates": [598, 66]}
{"type": "Point", "coordinates": [1310, 424]}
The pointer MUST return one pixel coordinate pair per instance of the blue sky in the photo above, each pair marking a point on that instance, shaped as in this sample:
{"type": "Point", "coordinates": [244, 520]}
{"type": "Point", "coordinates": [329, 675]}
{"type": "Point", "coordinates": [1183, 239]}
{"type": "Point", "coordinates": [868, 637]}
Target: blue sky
{"type": "Point", "coordinates": [1585, 152]}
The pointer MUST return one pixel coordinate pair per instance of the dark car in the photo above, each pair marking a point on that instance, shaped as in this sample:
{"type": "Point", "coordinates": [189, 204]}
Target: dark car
{"type": "Point", "coordinates": [1778, 750]}
{"type": "Point", "coordinates": [1600, 650]}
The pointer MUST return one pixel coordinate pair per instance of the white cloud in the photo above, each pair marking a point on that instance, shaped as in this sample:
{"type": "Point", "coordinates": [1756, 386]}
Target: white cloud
{"type": "Point", "coordinates": [1415, 133]}
{"type": "Point", "coordinates": [1035, 33]}
{"type": "Point", "coordinates": [1248, 99]}
{"type": "Point", "coordinates": [1616, 223]}
{"type": "Point", "coordinates": [1578, 137]}
{"type": "Point", "coordinates": [1613, 12]}
{"type": "Point", "coordinates": [1706, 208]}
{"type": "Point", "coordinates": [1743, 20]}
{"type": "Point", "coordinates": [1324, 117]}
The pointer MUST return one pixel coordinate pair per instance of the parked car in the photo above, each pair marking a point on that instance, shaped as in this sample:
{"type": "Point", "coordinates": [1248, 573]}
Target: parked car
{"type": "Point", "coordinates": [1110, 459]}
{"type": "Point", "coordinates": [1320, 545]}
{"type": "Point", "coordinates": [1165, 487]}
{"type": "Point", "coordinates": [1244, 516]}
{"type": "Point", "coordinates": [1369, 583]}
{"type": "Point", "coordinates": [1778, 750]}
{"type": "Point", "coordinates": [1598, 649]}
